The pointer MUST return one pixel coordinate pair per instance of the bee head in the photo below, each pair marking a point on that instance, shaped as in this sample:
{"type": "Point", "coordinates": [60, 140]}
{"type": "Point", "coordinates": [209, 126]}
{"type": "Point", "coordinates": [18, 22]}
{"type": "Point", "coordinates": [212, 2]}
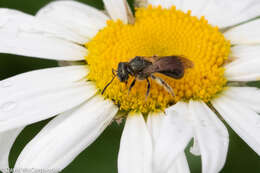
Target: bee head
{"type": "Point", "coordinates": [122, 71]}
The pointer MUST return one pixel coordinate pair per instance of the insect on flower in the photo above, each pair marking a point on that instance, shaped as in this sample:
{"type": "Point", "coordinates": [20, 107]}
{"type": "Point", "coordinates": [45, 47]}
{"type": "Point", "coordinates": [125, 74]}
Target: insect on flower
{"type": "Point", "coordinates": [142, 68]}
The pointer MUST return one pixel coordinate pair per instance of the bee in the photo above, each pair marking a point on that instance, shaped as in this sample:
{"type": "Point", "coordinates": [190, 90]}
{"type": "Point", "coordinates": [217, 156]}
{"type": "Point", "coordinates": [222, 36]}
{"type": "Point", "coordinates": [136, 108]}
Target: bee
{"type": "Point", "coordinates": [143, 68]}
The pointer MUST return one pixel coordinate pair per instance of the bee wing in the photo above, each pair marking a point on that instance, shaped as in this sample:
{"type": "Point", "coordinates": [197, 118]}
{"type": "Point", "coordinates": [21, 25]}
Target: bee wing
{"type": "Point", "coordinates": [172, 66]}
{"type": "Point", "coordinates": [152, 59]}
{"type": "Point", "coordinates": [186, 62]}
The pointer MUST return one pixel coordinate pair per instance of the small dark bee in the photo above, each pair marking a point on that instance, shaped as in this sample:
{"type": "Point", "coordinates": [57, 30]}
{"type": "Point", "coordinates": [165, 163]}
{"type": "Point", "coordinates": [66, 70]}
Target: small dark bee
{"type": "Point", "coordinates": [144, 67]}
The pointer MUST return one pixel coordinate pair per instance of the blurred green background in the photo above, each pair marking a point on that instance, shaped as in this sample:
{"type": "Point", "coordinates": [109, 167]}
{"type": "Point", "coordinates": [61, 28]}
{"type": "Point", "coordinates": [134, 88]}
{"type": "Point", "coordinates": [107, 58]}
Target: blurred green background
{"type": "Point", "coordinates": [101, 156]}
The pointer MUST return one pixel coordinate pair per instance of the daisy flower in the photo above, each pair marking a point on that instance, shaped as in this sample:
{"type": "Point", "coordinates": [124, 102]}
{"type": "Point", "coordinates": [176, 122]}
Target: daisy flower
{"type": "Point", "coordinates": [216, 35]}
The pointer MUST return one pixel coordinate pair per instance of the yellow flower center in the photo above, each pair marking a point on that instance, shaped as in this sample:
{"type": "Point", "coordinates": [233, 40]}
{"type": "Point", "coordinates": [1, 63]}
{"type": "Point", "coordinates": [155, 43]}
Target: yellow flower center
{"type": "Point", "coordinates": [162, 32]}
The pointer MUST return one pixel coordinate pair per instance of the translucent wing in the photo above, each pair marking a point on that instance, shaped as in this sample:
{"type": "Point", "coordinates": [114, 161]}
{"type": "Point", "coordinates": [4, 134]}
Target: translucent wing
{"type": "Point", "coordinates": [173, 66]}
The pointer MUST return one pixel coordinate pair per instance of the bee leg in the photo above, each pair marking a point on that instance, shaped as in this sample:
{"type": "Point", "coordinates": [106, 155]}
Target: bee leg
{"type": "Point", "coordinates": [161, 82]}
{"type": "Point", "coordinates": [131, 86]}
{"type": "Point", "coordinates": [148, 88]}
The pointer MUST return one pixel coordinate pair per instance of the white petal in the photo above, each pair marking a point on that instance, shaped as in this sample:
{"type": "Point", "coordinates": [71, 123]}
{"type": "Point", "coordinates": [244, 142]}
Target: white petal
{"type": "Point", "coordinates": [249, 96]}
{"type": "Point", "coordinates": [154, 124]}
{"type": "Point", "coordinates": [32, 24]}
{"type": "Point", "coordinates": [223, 13]}
{"type": "Point", "coordinates": [212, 137]}
{"type": "Point", "coordinates": [48, 76]}
{"type": "Point", "coordinates": [155, 3]}
{"type": "Point", "coordinates": [166, 3]}
{"type": "Point", "coordinates": [117, 9]}
{"type": "Point", "coordinates": [135, 153]}
{"type": "Point", "coordinates": [7, 139]}
{"type": "Point", "coordinates": [38, 95]}
{"type": "Point", "coordinates": [174, 136]}
{"type": "Point", "coordinates": [75, 16]}
{"type": "Point", "coordinates": [181, 108]}
{"type": "Point", "coordinates": [246, 52]}
{"type": "Point", "coordinates": [248, 33]}
{"type": "Point", "coordinates": [244, 121]}
{"type": "Point", "coordinates": [243, 70]}
{"type": "Point", "coordinates": [180, 165]}
{"type": "Point", "coordinates": [196, 7]}
{"type": "Point", "coordinates": [67, 135]}
{"type": "Point", "coordinates": [22, 34]}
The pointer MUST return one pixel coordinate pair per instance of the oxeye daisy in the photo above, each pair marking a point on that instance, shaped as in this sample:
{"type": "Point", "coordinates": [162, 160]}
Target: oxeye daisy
{"type": "Point", "coordinates": [216, 36]}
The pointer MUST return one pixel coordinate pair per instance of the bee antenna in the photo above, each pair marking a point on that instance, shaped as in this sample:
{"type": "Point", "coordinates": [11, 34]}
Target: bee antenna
{"type": "Point", "coordinates": [108, 85]}
{"type": "Point", "coordinates": [113, 71]}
